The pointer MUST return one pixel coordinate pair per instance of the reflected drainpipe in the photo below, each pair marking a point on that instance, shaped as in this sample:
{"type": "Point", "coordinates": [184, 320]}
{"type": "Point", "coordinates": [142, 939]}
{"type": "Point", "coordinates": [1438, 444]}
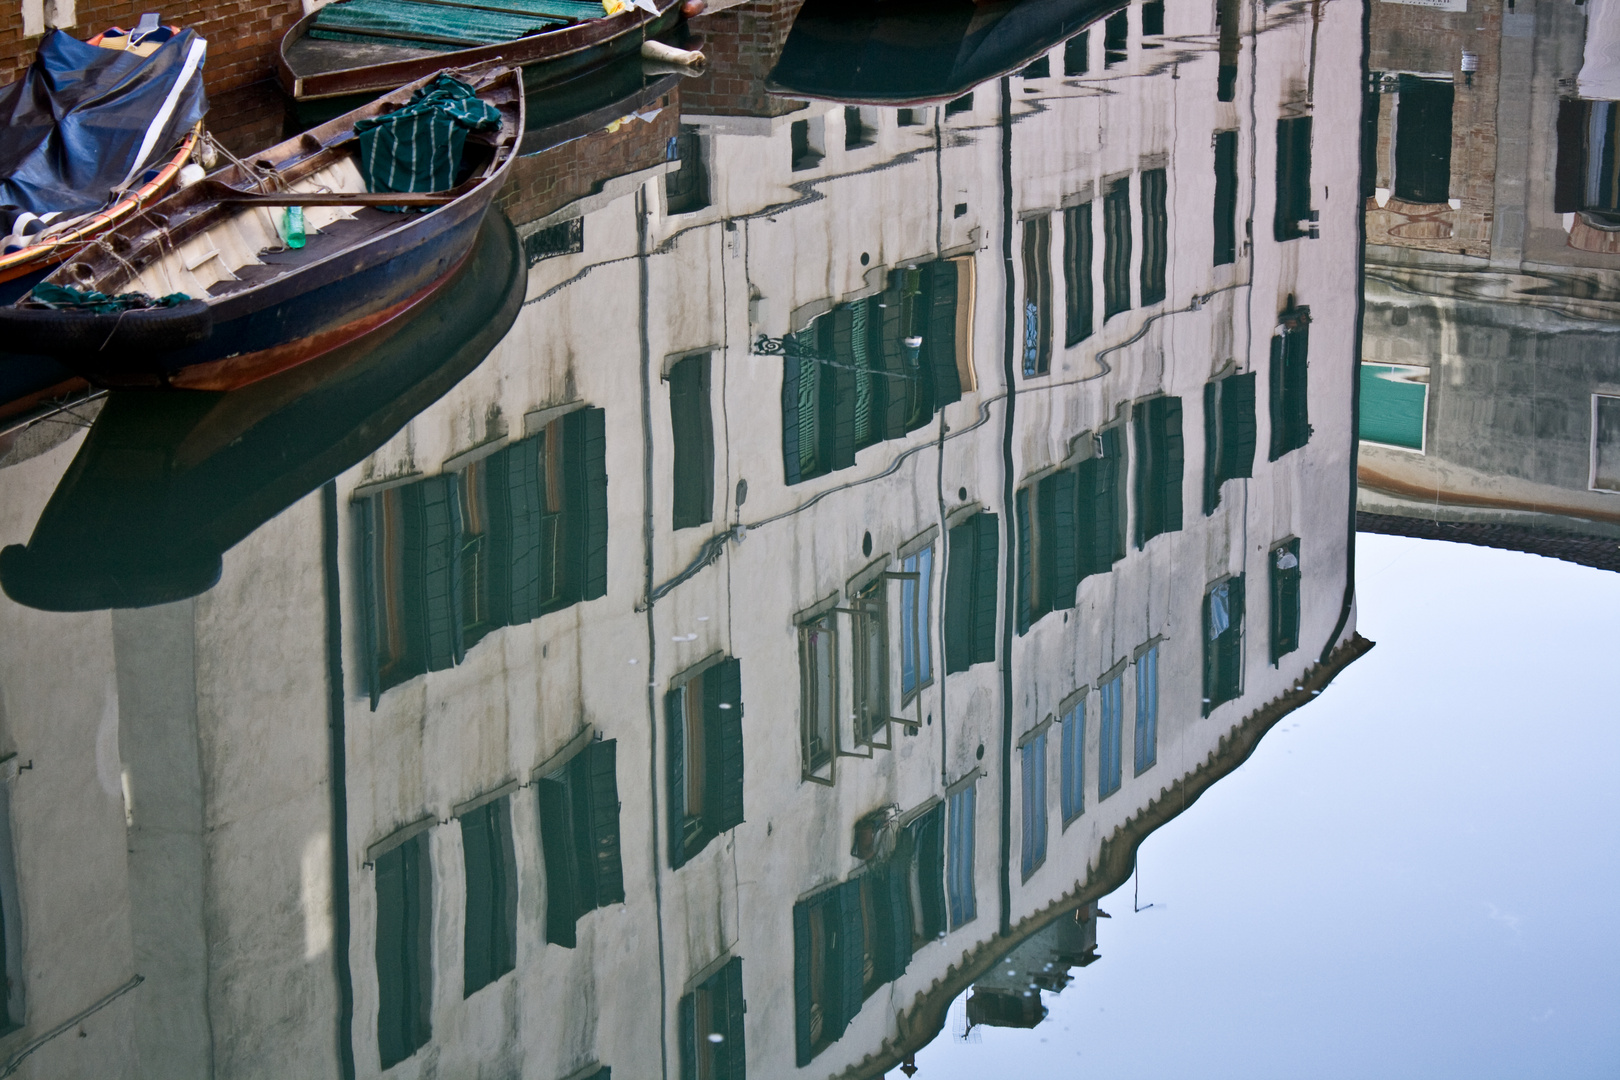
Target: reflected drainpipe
{"type": "Point", "coordinates": [337, 781]}
{"type": "Point", "coordinates": [1009, 375]}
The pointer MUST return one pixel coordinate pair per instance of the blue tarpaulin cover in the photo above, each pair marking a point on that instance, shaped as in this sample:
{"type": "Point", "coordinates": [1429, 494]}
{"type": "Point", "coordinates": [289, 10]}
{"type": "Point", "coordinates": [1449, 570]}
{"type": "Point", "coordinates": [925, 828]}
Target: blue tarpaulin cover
{"type": "Point", "coordinates": [86, 122]}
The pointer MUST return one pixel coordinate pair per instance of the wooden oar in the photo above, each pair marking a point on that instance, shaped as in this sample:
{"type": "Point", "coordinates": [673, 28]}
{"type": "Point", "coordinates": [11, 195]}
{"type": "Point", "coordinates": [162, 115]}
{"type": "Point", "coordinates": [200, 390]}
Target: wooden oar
{"type": "Point", "coordinates": [224, 193]}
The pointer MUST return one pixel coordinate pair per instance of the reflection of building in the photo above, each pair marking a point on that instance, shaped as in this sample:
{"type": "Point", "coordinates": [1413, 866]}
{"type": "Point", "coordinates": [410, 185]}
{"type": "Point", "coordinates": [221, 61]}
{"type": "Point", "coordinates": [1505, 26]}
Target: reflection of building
{"type": "Point", "coordinates": [1490, 395]}
{"type": "Point", "coordinates": [1009, 994]}
{"type": "Point", "coordinates": [750, 641]}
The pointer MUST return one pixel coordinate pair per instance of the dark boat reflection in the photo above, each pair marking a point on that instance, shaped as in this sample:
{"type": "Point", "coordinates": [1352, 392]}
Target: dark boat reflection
{"type": "Point", "coordinates": [165, 484]}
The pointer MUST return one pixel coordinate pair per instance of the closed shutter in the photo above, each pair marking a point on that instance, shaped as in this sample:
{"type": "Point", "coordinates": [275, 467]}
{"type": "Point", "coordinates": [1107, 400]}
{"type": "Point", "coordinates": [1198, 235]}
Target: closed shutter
{"type": "Point", "coordinates": [1285, 597]}
{"type": "Point", "coordinates": [433, 529]}
{"type": "Point", "coordinates": [939, 336]}
{"type": "Point", "coordinates": [367, 509]}
{"type": "Point", "coordinates": [1226, 190]}
{"type": "Point", "coordinates": [600, 761]}
{"type": "Point", "coordinates": [886, 348]}
{"type": "Point", "coordinates": [1279, 406]}
{"type": "Point", "coordinates": [1063, 542]}
{"type": "Point", "coordinates": [722, 692]}
{"type": "Point", "coordinates": [794, 381]}
{"type": "Point", "coordinates": [591, 476]}
{"type": "Point", "coordinates": [1568, 175]}
{"type": "Point", "coordinates": [1372, 103]}
{"type": "Point", "coordinates": [393, 959]}
{"type": "Point", "coordinates": [1174, 463]}
{"type": "Point", "coordinates": [803, 993]}
{"type": "Point", "coordinates": [523, 508]}
{"type": "Point", "coordinates": [987, 542]}
{"type": "Point", "coordinates": [1423, 139]}
{"type": "Point", "coordinates": [1159, 473]}
{"type": "Point", "coordinates": [686, 1020]}
{"type": "Point", "coordinates": [849, 350]}
{"type": "Point", "coordinates": [731, 1056]}
{"type": "Point", "coordinates": [1232, 643]}
{"type": "Point", "coordinates": [561, 861]}
{"type": "Point", "coordinates": [839, 390]}
{"type": "Point", "coordinates": [898, 921]}
{"type": "Point", "coordinates": [1026, 559]}
{"type": "Point", "coordinates": [674, 728]}
{"type": "Point", "coordinates": [1155, 235]}
{"type": "Point", "coordinates": [960, 561]}
{"type": "Point", "coordinates": [1214, 446]}
{"type": "Point", "coordinates": [1080, 302]}
{"type": "Point", "coordinates": [851, 987]}
{"type": "Point", "coordinates": [1293, 178]}
{"type": "Point", "coordinates": [1295, 352]}
{"type": "Point", "coordinates": [478, 847]}
{"type": "Point", "coordinates": [1117, 248]}
{"type": "Point", "coordinates": [928, 849]}
{"type": "Point", "coordinates": [691, 430]}
{"type": "Point", "coordinates": [1237, 418]}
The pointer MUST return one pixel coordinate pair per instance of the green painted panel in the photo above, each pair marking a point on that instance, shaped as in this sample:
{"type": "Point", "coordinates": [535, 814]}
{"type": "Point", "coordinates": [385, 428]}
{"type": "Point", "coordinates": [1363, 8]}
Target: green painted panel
{"type": "Point", "coordinates": [1392, 406]}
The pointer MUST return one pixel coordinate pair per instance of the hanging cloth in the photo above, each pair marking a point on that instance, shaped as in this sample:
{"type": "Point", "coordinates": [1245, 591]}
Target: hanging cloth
{"type": "Point", "coordinates": [418, 147]}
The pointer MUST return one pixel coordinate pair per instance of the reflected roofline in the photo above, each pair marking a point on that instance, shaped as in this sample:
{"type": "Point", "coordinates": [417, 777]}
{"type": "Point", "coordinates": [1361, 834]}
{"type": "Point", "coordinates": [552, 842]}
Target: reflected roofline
{"type": "Point", "coordinates": [1599, 552]}
{"type": "Point", "coordinates": [923, 1022]}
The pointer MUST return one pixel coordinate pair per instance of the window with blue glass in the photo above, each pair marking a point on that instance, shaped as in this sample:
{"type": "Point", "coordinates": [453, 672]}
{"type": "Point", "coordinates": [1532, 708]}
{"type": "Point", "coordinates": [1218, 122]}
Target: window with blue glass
{"type": "Point", "coordinates": [1033, 764]}
{"type": "Point", "coordinates": [916, 648]}
{"type": "Point", "coordinates": [1073, 749]}
{"type": "Point", "coordinates": [959, 856]}
{"type": "Point", "coordinates": [1147, 709]}
{"type": "Point", "coordinates": [1109, 717]}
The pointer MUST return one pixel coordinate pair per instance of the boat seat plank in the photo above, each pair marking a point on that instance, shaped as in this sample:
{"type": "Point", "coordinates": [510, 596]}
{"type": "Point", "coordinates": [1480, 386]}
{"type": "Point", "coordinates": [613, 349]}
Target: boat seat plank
{"type": "Point", "coordinates": [427, 22]}
{"type": "Point", "coordinates": [343, 233]}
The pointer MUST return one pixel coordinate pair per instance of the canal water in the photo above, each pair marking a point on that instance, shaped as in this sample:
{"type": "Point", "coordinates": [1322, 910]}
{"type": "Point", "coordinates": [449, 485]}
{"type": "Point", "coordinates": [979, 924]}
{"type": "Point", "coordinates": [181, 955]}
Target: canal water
{"type": "Point", "coordinates": [964, 540]}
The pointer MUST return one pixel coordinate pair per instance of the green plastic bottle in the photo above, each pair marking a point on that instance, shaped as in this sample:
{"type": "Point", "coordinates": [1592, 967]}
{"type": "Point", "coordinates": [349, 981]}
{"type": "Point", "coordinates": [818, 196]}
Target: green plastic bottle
{"type": "Point", "coordinates": [292, 226]}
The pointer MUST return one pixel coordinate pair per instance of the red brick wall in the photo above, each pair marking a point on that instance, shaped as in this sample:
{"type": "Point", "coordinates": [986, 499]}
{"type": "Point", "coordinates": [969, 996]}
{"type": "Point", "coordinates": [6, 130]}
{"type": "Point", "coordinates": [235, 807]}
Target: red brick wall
{"type": "Point", "coordinates": [742, 44]}
{"type": "Point", "coordinates": [243, 35]}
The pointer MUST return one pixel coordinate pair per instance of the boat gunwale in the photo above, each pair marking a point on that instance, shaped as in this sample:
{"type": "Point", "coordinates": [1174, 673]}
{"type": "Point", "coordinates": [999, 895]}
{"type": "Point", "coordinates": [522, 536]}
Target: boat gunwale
{"type": "Point", "coordinates": [258, 295]}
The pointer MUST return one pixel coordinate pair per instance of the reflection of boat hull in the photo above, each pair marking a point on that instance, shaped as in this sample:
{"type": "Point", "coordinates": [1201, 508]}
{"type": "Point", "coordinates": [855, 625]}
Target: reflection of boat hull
{"type": "Point", "coordinates": [920, 51]}
{"type": "Point", "coordinates": [214, 467]}
{"type": "Point", "coordinates": [547, 58]}
{"type": "Point", "coordinates": [577, 108]}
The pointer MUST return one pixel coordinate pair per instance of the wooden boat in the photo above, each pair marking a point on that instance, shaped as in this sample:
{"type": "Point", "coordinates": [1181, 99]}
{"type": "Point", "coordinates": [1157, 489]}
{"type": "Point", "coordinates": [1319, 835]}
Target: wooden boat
{"type": "Point", "coordinates": [367, 46]}
{"type": "Point", "coordinates": [52, 246]}
{"type": "Point", "coordinates": [254, 307]}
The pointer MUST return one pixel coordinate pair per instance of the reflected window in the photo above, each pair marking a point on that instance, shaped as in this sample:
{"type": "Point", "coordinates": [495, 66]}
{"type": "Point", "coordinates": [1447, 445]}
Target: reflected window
{"type": "Point", "coordinates": [1226, 25]}
{"type": "Point", "coordinates": [1159, 466]}
{"type": "Point", "coordinates": [1110, 717]}
{"type": "Point", "coordinates": [922, 843]}
{"type": "Point", "coordinates": [13, 1002]}
{"type": "Point", "coordinates": [1037, 295]}
{"type": "Point", "coordinates": [1155, 235]}
{"type": "Point", "coordinates": [1394, 405]}
{"type": "Point", "coordinates": [1032, 779]}
{"type": "Point", "coordinates": [869, 629]}
{"type": "Point", "coordinates": [1292, 217]}
{"type": "Point", "coordinates": [818, 697]}
{"type": "Point", "coordinates": [886, 919]}
{"type": "Point", "coordinates": [490, 923]}
{"type": "Point", "coordinates": [1100, 495]}
{"type": "Point", "coordinates": [563, 238]}
{"type": "Point", "coordinates": [1077, 54]}
{"type": "Point", "coordinates": [703, 716]}
{"type": "Point", "coordinates": [1372, 106]}
{"type": "Point", "coordinates": [1147, 709]}
{"type": "Point", "coordinates": [916, 641]}
{"type": "Point", "coordinates": [1048, 547]}
{"type": "Point", "coordinates": [1605, 442]}
{"type": "Point", "coordinates": [579, 838]}
{"type": "Point", "coordinates": [692, 430]}
{"type": "Point", "coordinates": [959, 105]}
{"type": "Point", "coordinates": [1037, 69]}
{"type": "Point", "coordinates": [828, 955]}
{"type": "Point", "coordinates": [1290, 411]}
{"type": "Point", "coordinates": [404, 950]}
{"type": "Point", "coordinates": [973, 557]}
{"type": "Point", "coordinates": [1079, 294]}
{"type": "Point", "coordinates": [1153, 18]}
{"type": "Point", "coordinates": [1229, 434]}
{"type": "Point", "coordinates": [1588, 170]}
{"type": "Point", "coordinates": [1285, 598]}
{"type": "Point", "coordinates": [1115, 31]}
{"type": "Point", "coordinates": [1117, 248]}
{"type": "Point", "coordinates": [871, 370]}
{"type": "Point", "coordinates": [518, 533]}
{"type": "Point", "coordinates": [1226, 193]}
{"type": "Point", "coordinates": [806, 145]}
{"type": "Point", "coordinates": [687, 188]}
{"type": "Point", "coordinates": [860, 127]}
{"type": "Point", "coordinates": [1223, 642]}
{"type": "Point", "coordinates": [711, 1026]}
{"type": "Point", "coordinates": [961, 809]}
{"type": "Point", "coordinates": [910, 117]}
{"type": "Point", "coordinates": [1423, 139]}
{"type": "Point", "coordinates": [1072, 770]}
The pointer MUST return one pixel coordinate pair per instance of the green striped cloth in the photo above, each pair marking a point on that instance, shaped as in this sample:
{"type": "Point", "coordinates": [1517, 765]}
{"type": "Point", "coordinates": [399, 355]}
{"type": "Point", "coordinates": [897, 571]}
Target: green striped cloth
{"type": "Point", "coordinates": [418, 147]}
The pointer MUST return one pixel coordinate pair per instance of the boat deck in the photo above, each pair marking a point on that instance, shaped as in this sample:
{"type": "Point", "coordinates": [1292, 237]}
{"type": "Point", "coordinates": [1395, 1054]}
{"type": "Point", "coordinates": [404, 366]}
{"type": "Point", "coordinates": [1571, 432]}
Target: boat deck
{"type": "Point", "coordinates": [344, 232]}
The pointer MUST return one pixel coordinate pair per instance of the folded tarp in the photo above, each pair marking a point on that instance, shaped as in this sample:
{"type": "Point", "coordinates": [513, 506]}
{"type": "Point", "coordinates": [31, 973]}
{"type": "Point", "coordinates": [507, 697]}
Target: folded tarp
{"type": "Point", "coordinates": [85, 123]}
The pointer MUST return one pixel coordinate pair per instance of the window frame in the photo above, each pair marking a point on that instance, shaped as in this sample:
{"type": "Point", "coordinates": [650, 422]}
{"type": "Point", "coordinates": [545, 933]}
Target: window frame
{"type": "Point", "coordinates": [916, 622]}
{"type": "Point", "coordinates": [1033, 798]}
{"type": "Point", "coordinates": [1146, 664]}
{"type": "Point", "coordinates": [1110, 731]}
{"type": "Point", "coordinates": [811, 762]}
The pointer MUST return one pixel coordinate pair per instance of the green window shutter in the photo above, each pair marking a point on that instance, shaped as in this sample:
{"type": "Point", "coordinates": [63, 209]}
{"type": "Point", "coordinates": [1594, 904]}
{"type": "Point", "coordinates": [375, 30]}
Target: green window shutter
{"type": "Point", "coordinates": [1296, 348]}
{"type": "Point", "coordinates": [1232, 643]}
{"type": "Point", "coordinates": [1293, 178]}
{"type": "Point", "coordinates": [692, 431]}
{"type": "Point", "coordinates": [599, 765]}
{"type": "Point", "coordinates": [1423, 117]}
{"type": "Point", "coordinates": [589, 502]}
{"type": "Point", "coordinates": [1063, 543]}
{"type": "Point", "coordinates": [483, 953]}
{"type": "Point", "coordinates": [522, 521]}
{"type": "Point", "coordinates": [557, 851]}
{"type": "Point", "coordinates": [881, 349]}
{"type": "Point", "coordinates": [1078, 293]}
{"type": "Point", "coordinates": [851, 953]}
{"type": "Point", "coordinates": [898, 917]}
{"type": "Point", "coordinates": [1158, 477]}
{"type": "Point", "coordinates": [675, 730]}
{"type": "Point", "coordinates": [794, 379]}
{"type": "Point", "coordinates": [1237, 419]}
{"type": "Point", "coordinates": [433, 523]}
{"type": "Point", "coordinates": [1026, 570]}
{"type": "Point", "coordinates": [1285, 598]}
{"type": "Point", "coordinates": [803, 992]}
{"type": "Point", "coordinates": [1226, 194]}
{"type": "Point", "coordinates": [731, 1056]}
{"type": "Point", "coordinates": [687, 1021]}
{"type": "Point", "coordinates": [1117, 248]}
{"type": "Point", "coordinates": [1214, 446]}
{"type": "Point", "coordinates": [1279, 409]}
{"type": "Point", "coordinates": [404, 973]}
{"type": "Point", "coordinates": [1174, 463]}
{"type": "Point", "coordinates": [367, 509]}
{"type": "Point", "coordinates": [1088, 478]}
{"type": "Point", "coordinates": [929, 850]}
{"type": "Point", "coordinates": [839, 403]}
{"type": "Point", "coordinates": [1155, 235]}
{"type": "Point", "coordinates": [939, 337]}
{"type": "Point", "coordinates": [1111, 495]}
{"type": "Point", "coordinates": [958, 618]}
{"type": "Point", "coordinates": [987, 542]}
{"type": "Point", "coordinates": [722, 687]}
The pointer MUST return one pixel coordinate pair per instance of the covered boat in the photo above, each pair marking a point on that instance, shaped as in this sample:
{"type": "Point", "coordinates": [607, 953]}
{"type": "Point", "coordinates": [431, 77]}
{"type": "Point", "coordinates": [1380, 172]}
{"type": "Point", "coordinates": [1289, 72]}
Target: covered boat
{"type": "Point", "coordinates": [366, 46]}
{"type": "Point", "coordinates": [308, 246]}
{"type": "Point", "coordinates": [93, 132]}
